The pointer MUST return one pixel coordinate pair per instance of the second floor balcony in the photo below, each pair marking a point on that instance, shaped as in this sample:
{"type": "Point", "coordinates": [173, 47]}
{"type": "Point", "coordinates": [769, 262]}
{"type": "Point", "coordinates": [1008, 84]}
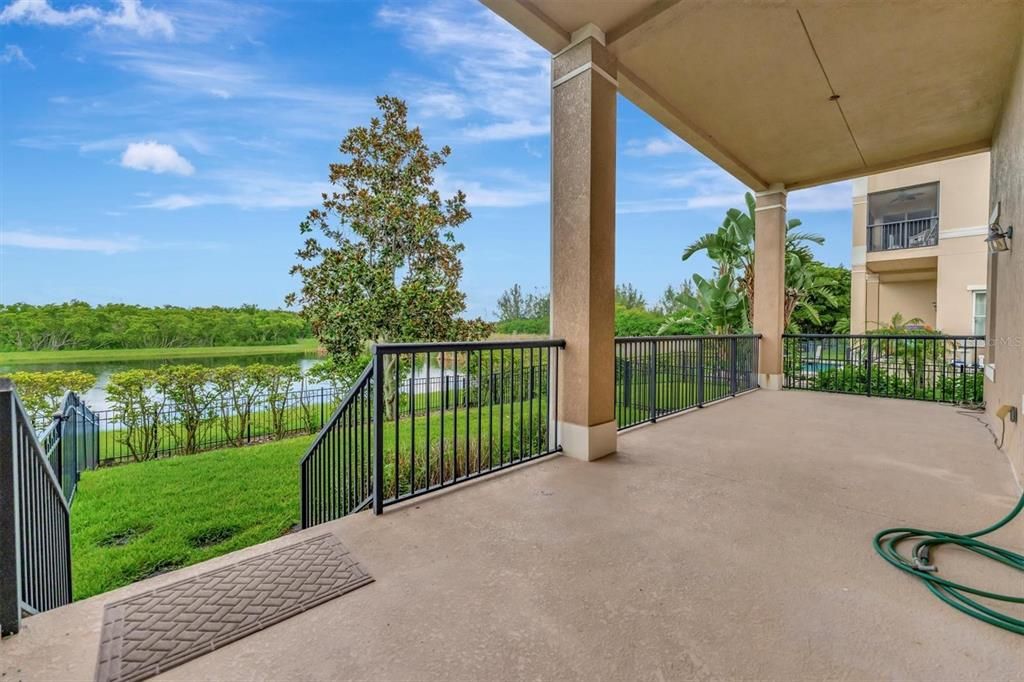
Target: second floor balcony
{"type": "Point", "coordinates": [903, 234]}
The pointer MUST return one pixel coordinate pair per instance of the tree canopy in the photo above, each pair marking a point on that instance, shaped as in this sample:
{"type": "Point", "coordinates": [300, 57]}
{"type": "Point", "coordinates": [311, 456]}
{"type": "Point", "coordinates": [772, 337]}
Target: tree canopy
{"type": "Point", "coordinates": [380, 261]}
{"type": "Point", "coordinates": [76, 325]}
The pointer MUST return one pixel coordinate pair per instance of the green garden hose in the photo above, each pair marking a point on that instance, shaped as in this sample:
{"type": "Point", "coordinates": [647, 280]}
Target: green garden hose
{"type": "Point", "coordinates": [918, 565]}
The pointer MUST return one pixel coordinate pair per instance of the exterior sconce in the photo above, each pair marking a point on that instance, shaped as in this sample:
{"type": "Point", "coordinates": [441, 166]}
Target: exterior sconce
{"type": "Point", "coordinates": [998, 238]}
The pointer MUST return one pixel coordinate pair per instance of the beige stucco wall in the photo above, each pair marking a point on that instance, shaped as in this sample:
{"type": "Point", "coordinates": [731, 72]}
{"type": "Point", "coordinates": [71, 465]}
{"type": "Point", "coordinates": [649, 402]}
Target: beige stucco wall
{"type": "Point", "coordinates": [953, 269]}
{"type": "Point", "coordinates": [1006, 272]}
{"type": "Point", "coordinates": [962, 269]}
{"type": "Point", "coordinates": [909, 299]}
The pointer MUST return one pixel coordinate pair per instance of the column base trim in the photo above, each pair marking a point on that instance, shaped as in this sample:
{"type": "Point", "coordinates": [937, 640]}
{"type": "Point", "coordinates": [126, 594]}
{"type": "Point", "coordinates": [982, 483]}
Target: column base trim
{"type": "Point", "coordinates": [770, 382]}
{"type": "Point", "coordinates": [587, 443]}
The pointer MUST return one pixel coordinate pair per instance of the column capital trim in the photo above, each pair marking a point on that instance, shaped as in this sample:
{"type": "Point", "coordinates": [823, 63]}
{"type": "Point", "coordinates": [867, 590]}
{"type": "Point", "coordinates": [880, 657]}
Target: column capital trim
{"type": "Point", "coordinates": [774, 188]}
{"type": "Point", "coordinates": [581, 34]}
{"type": "Point", "coordinates": [583, 68]}
{"type": "Point", "coordinates": [765, 208]}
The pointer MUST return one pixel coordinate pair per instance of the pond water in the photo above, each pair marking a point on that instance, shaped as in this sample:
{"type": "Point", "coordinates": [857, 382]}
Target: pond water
{"type": "Point", "coordinates": [96, 397]}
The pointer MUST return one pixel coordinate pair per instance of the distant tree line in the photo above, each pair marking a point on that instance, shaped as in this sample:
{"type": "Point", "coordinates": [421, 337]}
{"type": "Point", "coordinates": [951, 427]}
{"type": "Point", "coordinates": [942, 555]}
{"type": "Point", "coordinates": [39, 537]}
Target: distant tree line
{"type": "Point", "coordinates": [76, 325]}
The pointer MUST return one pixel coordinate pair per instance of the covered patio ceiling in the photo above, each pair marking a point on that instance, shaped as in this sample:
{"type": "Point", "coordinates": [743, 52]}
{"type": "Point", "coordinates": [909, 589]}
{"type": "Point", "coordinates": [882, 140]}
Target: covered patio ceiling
{"type": "Point", "coordinates": [800, 92]}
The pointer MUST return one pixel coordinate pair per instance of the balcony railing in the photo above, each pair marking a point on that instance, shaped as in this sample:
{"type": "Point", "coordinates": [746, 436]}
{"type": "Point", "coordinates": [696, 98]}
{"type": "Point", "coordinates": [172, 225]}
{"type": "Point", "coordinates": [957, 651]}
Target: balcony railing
{"type": "Point", "coordinates": [948, 369]}
{"type": "Point", "coordinates": [906, 234]}
{"type": "Point", "coordinates": [423, 417]}
{"type": "Point", "coordinates": [656, 376]}
{"type": "Point", "coordinates": [38, 476]}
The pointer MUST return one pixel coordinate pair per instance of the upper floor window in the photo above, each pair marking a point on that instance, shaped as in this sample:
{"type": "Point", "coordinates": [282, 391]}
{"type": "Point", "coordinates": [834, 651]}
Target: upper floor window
{"type": "Point", "coordinates": [980, 311]}
{"type": "Point", "coordinates": [903, 218]}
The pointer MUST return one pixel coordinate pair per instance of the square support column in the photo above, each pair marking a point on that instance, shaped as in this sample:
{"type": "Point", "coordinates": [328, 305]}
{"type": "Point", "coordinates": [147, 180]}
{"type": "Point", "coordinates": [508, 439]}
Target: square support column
{"type": "Point", "coordinates": [583, 242]}
{"type": "Point", "coordinates": [770, 282]}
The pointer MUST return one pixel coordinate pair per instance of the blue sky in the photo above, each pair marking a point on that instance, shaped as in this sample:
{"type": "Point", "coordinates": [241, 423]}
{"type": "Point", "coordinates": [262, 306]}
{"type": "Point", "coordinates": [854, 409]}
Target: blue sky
{"type": "Point", "coordinates": [165, 152]}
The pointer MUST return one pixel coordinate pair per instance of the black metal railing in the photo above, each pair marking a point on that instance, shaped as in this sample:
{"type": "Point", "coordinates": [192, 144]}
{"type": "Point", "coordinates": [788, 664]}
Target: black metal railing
{"type": "Point", "coordinates": [919, 367]}
{"type": "Point", "coordinates": [661, 375]}
{"type": "Point", "coordinates": [35, 533]}
{"type": "Point", "coordinates": [336, 473]}
{"type": "Point", "coordinates": [71, 442]}
{"type": "Point", "coordinates": [423, 417]}
{"type": "Point", "coordinates": [905, 234]}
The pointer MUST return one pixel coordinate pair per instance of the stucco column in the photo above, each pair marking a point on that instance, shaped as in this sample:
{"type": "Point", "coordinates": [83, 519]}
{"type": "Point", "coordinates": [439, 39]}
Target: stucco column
{"type": "Point", "coordinates": [583, 91]}
{"type": "Point", "coordinates": [770, 282]}
{"type": "Point", "coordinates": [858, 258]}
{"type": "Point", "coordinates": [858, 299]}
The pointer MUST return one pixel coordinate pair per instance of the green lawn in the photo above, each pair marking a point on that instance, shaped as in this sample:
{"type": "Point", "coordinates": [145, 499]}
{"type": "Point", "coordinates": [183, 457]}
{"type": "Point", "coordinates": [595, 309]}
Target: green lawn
{"type": "Point", "coordinates": [109, 355]}
{"type": "Point", "coordinates": [137, 520]}
{"type": "Point", "coordinates": [133, 521]}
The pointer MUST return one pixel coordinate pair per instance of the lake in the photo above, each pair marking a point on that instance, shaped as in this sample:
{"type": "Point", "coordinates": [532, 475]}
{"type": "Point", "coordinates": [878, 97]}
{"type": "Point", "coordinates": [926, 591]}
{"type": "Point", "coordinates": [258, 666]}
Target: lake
{"type": "Point", "coordinates": [96, 397]}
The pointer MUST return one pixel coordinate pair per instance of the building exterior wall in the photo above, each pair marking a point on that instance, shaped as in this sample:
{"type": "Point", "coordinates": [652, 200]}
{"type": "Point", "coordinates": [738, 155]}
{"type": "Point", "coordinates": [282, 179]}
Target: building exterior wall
{"type": "Point", "coordinates": [915, 299]}
{"type": "Point", "coordinates": [934, 283]}
{"type": "Point", "coordinates": [1006, 273]}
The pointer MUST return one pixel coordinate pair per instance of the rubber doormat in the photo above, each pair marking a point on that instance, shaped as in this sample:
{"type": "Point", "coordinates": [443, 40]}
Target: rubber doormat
{"type": "Point", "coordinates": [158, 630]}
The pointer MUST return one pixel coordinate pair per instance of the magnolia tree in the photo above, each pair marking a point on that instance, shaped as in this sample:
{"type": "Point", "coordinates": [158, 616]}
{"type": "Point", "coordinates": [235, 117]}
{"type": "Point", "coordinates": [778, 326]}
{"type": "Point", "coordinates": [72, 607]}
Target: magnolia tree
{"type": "Point", "coordinates": [380, 262]}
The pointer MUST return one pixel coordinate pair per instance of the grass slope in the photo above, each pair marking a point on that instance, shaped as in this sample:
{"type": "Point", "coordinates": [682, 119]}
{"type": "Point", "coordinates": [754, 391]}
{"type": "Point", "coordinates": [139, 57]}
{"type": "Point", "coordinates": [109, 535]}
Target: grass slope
{"type": "Point", "coordinates": [116, 354]}
{"type": "Point", "coordinates": [137, 520]}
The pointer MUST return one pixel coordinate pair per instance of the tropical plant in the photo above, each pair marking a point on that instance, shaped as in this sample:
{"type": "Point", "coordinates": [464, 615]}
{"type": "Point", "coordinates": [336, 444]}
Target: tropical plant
{"type": "Point", "coordinates": [804, 280]}
{"type": "Point", "coordinates": [42, 392]}
{"type": "Point", "coordinates": [714, 307]}
{"type": "Point", "coordinates": [826, 306]}
{"type": "Point", "coordinates": [385, 265]}
{"type": "Point", "coordinates": [731, 247]}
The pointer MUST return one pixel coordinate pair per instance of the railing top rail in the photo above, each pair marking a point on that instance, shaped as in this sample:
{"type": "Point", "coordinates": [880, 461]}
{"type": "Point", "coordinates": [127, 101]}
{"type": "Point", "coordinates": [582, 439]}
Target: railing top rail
{"type": "Point", "coordinates": [622, 339]}
{"type": "Point", "coordinates": [357, 385]}
{"type": "Point", "coordinates": [433, 347]}
{"type": "Point", "coordinates": [902, 222]}
{"type": "Point", "coordinates": [947, 337]}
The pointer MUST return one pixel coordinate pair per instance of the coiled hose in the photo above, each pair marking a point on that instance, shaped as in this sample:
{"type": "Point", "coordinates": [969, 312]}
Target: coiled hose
{"type": "Point", "coordinates": [956, 595]}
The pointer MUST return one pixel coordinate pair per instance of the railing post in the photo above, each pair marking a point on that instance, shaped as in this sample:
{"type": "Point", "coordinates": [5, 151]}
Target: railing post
{"type": "Point", "coordinates": [652, 381]}
{"type": "Point", "coordinates": [732, 368]}
{"type": "Point", "coordinates": [627, 383]}
{"type": "Point", "coordinates": [700, 372]}
{"type": "Point", "coordinates": [10, 540]}
{"type": "Point", "coordinates": [378, 431]}
{"type": "Point", "coordinates": [867, 367]}
{"type": "Point", "coordinates": [321, 407]}
{"type": "Point", "coordinates": [58, 466]}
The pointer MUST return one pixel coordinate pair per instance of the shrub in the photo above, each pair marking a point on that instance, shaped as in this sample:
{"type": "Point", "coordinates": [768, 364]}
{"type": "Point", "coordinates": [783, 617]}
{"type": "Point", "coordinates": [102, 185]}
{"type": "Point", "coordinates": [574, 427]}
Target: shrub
{"type": "Point", "coordinates": [41, 392]}
{"type": "Point", "coordinates": [137, 403]}
{"type": "Point", "coordinates": [191, 390]}
{"type": "Point", "coordinates": [239, 391]}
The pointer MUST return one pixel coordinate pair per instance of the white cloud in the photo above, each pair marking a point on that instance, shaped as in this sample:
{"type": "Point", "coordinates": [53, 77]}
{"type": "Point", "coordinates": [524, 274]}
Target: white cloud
{"type": "Point", "coordinates": [657, 146]}
{"type": "Point", "coordinates": [138, 19]}
{"type": "Point", "coordinates": [14, 54]}
{"type": "Point", "coordinates": [56, 242]}
{"type": "Point", "coordinates": [442, 104]}
{"type": "Point", "coordinates": [711, 187]}
{"type": "Point", "coordinates": [834, 197]}
{"type": "Point", "coordinates": [129, 16]}
{"type": "Point", "coordinates": [245, 190]}
{"type": "Point", "coordinates": [499, 77]}
{"type": "Point", "coordinates": [499, 189]}
{"type": "Point", "coordinates": [155, 158]}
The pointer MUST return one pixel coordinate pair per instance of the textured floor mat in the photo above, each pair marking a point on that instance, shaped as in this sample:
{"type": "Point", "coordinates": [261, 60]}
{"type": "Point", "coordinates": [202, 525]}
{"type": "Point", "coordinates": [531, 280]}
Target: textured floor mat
{"type": "Point", "coordinates": [158, 630]}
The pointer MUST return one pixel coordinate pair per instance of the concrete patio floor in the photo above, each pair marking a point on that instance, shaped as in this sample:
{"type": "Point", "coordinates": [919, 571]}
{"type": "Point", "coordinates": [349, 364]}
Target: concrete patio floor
{"type": "Point", "coordinates": [728, 543]}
